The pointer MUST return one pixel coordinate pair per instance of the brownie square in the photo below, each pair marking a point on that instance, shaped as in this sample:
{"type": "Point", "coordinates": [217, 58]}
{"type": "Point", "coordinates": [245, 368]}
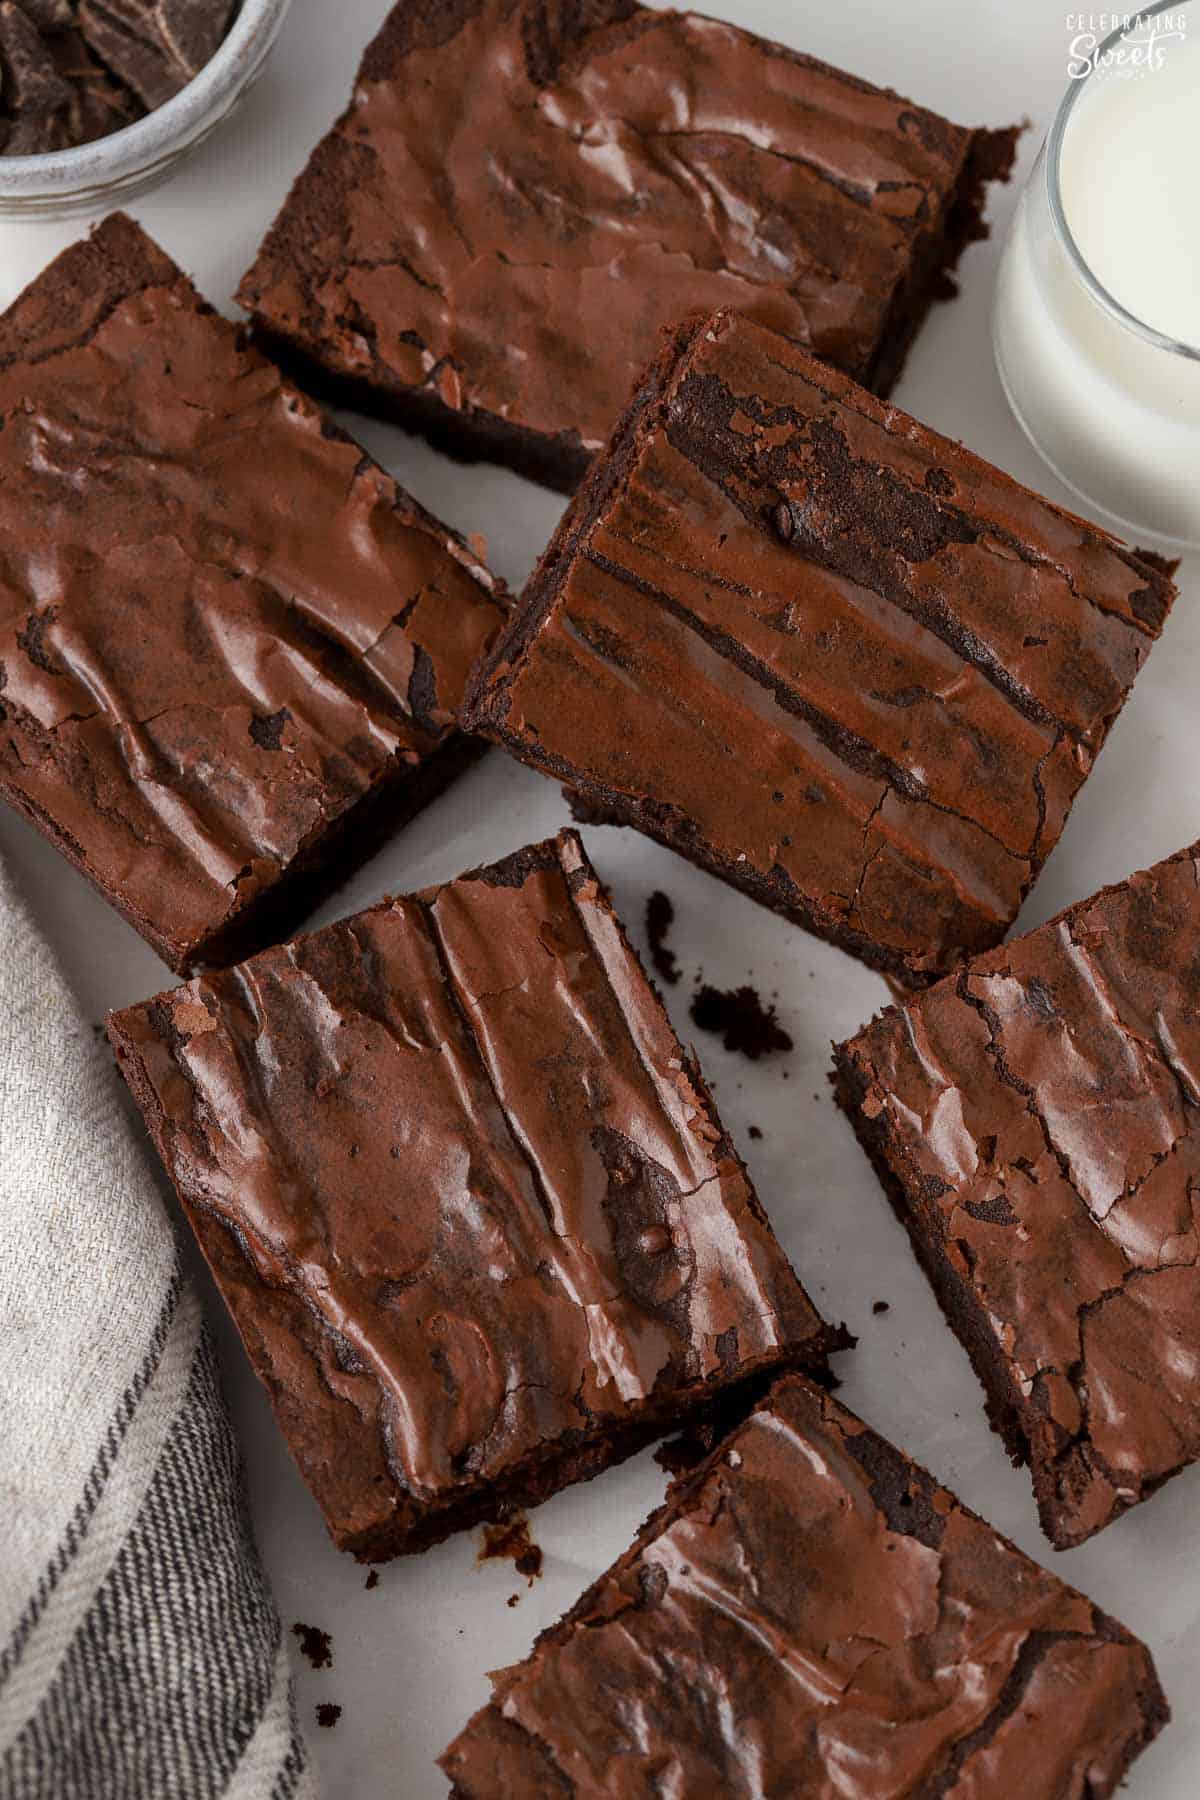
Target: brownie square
{"type": "Point", "coordinates": [821, 651]}
{"type": "Point", "coordinates": [231, 647]}
{"type": "Point", "coordinates": [1036, 1124]}
{"type": "Point", "coordinates": [467, 1197]}
{"type": "Point", "coordinates": [810, 1613]}
{"type": "Point", "coordinates": [521, 195]}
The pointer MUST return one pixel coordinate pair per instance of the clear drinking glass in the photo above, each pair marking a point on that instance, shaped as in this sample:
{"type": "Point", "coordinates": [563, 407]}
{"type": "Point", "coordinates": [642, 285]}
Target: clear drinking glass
{"type": "Point", "coordinates": [1111, 403]}
{"type": "Point", "coordinates": [92, 177]}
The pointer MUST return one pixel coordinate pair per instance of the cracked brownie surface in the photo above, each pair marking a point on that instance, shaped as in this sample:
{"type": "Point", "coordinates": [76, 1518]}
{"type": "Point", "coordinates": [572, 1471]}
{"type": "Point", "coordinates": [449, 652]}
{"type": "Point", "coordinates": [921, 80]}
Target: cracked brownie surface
{"type": "Point", "coordinates": [468, 1199]}
{"type": "Point", "coordinates": [496, 274]}
{"type": "Point", "coordinates": [822, 651]}
{"type": "Point", "coordinates": [811, 1613]}
{"type": "Point", "coordinates": [1036, 1121]}
{"type": "Point", "coordinates": [231, 647]}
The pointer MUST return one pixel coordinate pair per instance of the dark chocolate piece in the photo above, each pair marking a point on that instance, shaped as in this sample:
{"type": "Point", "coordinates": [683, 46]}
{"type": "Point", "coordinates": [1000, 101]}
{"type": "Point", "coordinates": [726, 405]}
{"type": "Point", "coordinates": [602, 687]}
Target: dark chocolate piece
{"type": "Point", "coordinates": [231, 646]}
{"type": "Point", "coordinates": [124, 34]}
{"type": "Point", "coordinates": [31, 84]}
{"type": "Point", "coordinates": [192, 30]}
{"type": "Point", "coordinates": [810, 1613]}
{"type": "Point", "coordinates": [821, 651]}
{"type": "Point", "coordinates": [496, 275]}
{"type": "Point", "coordinates": [467, 1198]}
{"type": "Point", "coordinates": [1036, 1123]}
{"type": "Point", "coordinates": [70, 74]}
{"type": "Point", "coordinates": [99, 103]}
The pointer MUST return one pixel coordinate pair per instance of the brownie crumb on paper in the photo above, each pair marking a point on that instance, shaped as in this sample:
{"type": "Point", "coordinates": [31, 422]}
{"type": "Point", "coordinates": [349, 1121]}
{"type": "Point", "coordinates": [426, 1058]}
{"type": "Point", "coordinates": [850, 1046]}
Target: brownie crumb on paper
{"type": "Point", "coordinates": [660, 916]}
{"type": "Point", "coordinates": [509, 1538]}
{"type": "Point", "coordinates": [741, 1019]}
{"type": "Point", "coordinates": [315, 1645]}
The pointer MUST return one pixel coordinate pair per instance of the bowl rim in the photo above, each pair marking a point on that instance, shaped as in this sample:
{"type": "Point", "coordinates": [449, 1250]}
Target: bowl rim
{"type": "Point", "coordinates": [127, 151]}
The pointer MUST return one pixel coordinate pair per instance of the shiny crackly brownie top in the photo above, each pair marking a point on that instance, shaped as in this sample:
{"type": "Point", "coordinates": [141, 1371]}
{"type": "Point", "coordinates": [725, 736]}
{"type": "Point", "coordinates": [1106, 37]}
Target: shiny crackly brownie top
{"type": "Point", "coordinates": [521, 195]}
{"type": "Point", "coordinates": [1043, 1114]}
{"type": "Point", "coordinates": [460, 1129]}
{"type": "Point", "coordinates": [857, 669]}
{"type": "Point", "coordinates": [220, 622]}
{"type": "Point", "coordinates": [813, 1615]}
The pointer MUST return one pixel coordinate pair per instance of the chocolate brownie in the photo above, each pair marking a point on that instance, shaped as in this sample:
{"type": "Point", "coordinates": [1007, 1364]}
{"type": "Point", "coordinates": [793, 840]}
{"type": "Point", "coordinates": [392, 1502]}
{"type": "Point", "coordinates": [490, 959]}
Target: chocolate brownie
{"type": "Point", "coordinates": [821, 651]}
{"type": "Point", "coordinates": [811, 1614]}
{"type": "Point", "coordinates": [521, 194]}
{"type": "Point", "coordinates": [1036, 1123]}
{"type": "Point", "coordinates": [468, 1200]}
{"type": "Point", "coordinates": [231, 647]}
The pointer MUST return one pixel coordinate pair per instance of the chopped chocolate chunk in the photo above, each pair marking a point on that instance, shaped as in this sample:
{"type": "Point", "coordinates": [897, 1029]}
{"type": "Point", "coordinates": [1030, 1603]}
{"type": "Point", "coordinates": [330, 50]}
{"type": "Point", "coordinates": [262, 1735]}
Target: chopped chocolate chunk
{"type": "Point", "coordinates": [328, 1714]}
{"type": "Point", "coordinates": [192, 30]}
{"type": "Point", "coordinates": [70, 74]}
{"type": "Point", "coordinates": [31, 83]}
{"type": "Point", "coordinates": [124, 34]}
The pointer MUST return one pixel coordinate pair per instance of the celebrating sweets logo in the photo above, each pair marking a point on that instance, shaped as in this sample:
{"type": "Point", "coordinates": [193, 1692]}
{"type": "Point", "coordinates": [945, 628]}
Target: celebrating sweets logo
{"type": "Point", "coordinates": [1140, 50]}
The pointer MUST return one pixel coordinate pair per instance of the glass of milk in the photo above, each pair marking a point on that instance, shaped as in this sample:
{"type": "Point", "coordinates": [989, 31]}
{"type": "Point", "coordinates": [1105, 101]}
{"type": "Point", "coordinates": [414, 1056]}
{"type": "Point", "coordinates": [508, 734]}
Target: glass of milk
{"type": "Point", "coordinates": [1097, 311]}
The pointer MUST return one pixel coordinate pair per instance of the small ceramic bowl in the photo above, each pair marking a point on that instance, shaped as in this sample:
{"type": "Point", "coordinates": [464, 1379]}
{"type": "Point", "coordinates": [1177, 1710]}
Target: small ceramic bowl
{"type": "Point", "coordinates": [93, 176]}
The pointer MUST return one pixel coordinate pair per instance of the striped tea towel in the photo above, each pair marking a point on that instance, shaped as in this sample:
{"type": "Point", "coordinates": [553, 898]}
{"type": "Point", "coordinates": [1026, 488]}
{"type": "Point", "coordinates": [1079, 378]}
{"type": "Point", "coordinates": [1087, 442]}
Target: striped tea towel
{"type": "Point", "coordinates": [140, 1650]}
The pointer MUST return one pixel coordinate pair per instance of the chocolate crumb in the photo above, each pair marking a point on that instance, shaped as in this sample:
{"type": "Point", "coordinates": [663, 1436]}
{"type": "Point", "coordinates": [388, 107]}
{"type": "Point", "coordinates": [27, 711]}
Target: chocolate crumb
{"type": "Point", "coordinates": [328, 1714]}
{"type": "Point", "coordinates": [372, 1580]}
{"type": "Point", "coordinates": [513, 1600]}
{"type": "Point", "coordinates": [754, 1132]}
{"type": "Point", "coordinates": [738, 1016]}
{"type": "Point", "coordinates": [881, 1306]}
{"type": "Point", "coordinates": [315, 1644]}
{"type": "Point", "coordinates": [510, 1538]}
{"type": "Point", "coordinates": [660, 915]}
{"type": "Point", "coordinates": [680, 1455]}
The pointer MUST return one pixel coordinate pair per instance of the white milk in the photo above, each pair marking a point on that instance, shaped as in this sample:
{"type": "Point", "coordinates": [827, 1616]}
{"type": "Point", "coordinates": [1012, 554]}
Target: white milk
{"type": "Point", "coordinates": [1117, 417]}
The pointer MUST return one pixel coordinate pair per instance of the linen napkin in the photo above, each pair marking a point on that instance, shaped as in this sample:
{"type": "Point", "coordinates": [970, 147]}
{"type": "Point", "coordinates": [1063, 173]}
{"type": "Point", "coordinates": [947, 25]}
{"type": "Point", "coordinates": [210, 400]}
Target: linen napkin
{"type": "Point", "coordinates": [140, 1650]}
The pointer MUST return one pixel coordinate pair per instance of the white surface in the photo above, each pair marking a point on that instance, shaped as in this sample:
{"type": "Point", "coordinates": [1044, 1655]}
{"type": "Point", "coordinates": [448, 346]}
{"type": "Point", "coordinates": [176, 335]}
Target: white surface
{"type": "Point", "coordinates": [1111, 409]}
{"type": "Point", "coordinates": [410, 1657]}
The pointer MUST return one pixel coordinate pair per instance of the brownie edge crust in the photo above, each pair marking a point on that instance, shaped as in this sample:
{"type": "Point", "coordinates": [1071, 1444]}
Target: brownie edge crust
{"type": "Point", "coordinates": [810, 1613]}
{"type": "Point", "coordinates": [467, 1198]}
